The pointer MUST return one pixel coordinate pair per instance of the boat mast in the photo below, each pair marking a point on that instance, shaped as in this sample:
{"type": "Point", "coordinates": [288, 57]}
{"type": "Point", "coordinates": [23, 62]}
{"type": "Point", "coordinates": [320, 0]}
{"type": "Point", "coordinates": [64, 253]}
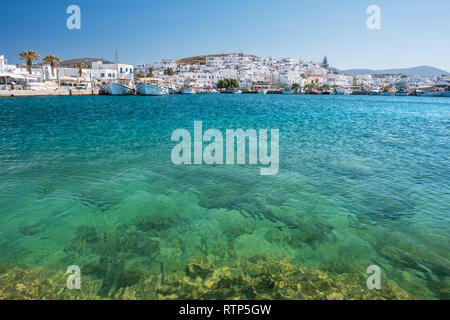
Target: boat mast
{"type": "Point", "coordinates": [117, 67]}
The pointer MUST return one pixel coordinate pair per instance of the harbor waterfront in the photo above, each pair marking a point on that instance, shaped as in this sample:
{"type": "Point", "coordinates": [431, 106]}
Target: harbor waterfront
{"type": "Point", "coordinates": [89, 181]}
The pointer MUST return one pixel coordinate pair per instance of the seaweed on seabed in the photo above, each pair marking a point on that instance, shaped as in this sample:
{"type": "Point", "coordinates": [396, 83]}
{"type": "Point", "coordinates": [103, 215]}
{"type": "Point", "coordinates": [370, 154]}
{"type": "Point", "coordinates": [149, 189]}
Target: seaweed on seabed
{"type": "Point", "coordinates": [25, 283]}
{"type": "Point", "coordinates": [117, 256]}
{"type": "Point", "coordinates": [262, 277]}
{"type": "Point", "coordinates": [157, 222]}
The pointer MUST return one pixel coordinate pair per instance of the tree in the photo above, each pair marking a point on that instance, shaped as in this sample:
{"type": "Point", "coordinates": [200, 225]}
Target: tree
{"type": "Point", "coordinates": [138, 74]}
{"type": "Point", "coordinates": [325, 63]}
{"type": "Point", "coordinates": [295, 85]}
{"type": "Point", "coordinates": [227, 84]}
{"type": "Point", "coordinates": [29, 56]}
{"type": "Point", "coordinates": [53, 61]}
{"type": "Point", "coordinates": [169, 71]}
{"type": "Point", "coordinates": [80, 66]}
{"type": "Point", "coordinates": [150, 73]}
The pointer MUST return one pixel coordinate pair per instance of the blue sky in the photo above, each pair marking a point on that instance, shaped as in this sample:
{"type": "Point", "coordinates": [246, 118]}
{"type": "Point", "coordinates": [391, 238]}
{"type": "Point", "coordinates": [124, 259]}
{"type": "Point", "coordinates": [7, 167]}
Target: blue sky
{"type": "Point", "coordinates": [413, 32]}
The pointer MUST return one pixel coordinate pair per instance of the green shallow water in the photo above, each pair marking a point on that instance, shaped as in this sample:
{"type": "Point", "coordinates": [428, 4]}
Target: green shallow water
{"type": "Point", "coordinates": [363, 180]}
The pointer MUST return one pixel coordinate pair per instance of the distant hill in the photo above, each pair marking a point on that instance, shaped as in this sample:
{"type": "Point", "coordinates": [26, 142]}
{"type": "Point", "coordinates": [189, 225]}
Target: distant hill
{"type": "Point", "coordinates": [71, 63]}
{"type": "Point", "coordinates": [419, 71]}
{"type": "Point", "coordinates": [198, 59]}
{"type": "Point", "coordinates": [87, 61]}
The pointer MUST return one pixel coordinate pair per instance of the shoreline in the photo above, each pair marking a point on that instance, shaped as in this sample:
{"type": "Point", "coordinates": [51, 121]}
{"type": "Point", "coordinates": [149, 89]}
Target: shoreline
{"type": "Point", "coordinates": [49, 93]}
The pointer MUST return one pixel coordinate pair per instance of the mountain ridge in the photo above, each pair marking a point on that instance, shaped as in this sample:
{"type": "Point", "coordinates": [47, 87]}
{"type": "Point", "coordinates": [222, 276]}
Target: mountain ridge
{"type": "Point", "coordinates": [419, 70]}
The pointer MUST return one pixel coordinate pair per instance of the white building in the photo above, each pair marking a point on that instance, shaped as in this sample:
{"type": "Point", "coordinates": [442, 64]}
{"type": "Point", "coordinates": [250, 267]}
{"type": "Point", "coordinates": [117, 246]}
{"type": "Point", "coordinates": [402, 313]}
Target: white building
{"type": "Point", "coordinates": [214, 62]}
{"type": "Point", "coordinates": [164, 64]}
{"type": "Point", "coordinates": [3, 63]}
{"type": "Point", "coordinates": [339, 80]}
{"type": "Point", "coordinates": [143, 68]}
{"type": "Point", "coordinates": [109, 72]}
{"type": "Point", "coordinates": [315, 79]}
{"type": "Point", "coordinates": [365, 80]}
{"type": "Point", "coordinates": [290, 77]}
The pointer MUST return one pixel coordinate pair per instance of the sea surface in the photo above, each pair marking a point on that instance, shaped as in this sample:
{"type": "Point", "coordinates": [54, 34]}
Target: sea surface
{"type": "Point", "coordinates": [89, 181]}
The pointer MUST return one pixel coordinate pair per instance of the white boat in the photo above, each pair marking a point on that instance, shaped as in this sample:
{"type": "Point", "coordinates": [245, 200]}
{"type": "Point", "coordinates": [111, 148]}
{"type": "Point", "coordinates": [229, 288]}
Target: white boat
{"type": "Point", "coordinates": [430, 93]}
{"type": "Point", "coordinates": [213, 91]}
{"type": "Point", "coordinates": [401, 93]}
{"type": "Point", "coordinates": [262, 91]}
{"type": "Point", "coordinates": [117, 89]}
{"type": "Point", "coordinates": [344, 91]}
{"type": "Point", "coordinates": [374, 92]}
{"type": "Point", "coordinates": [150, 87]}
{"type": "Point", "coordinates": [237, 92]}
{"type": "Point", "coordinates": [188, 91]}
{"type": "Point", "coordinates": [438, 90]}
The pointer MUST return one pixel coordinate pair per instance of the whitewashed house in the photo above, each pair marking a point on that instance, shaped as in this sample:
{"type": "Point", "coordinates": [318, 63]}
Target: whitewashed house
{"type": "Point", "coordinates": [108, 72]}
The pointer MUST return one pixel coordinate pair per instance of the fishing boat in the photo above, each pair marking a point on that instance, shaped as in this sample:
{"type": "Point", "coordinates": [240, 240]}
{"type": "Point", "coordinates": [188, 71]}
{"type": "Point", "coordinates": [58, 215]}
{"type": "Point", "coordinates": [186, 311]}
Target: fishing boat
{"type": "Point", "coordinates": [433, 93]}
{"type": "Point", "coordinates": [172, 88]}
{"type": "Point", "coordinates": [374, 92]}
{"type": "Point", "coordinates": [437, 90]}
{"type": "Point", "coordinates": [185, 90]}
{"type": "Point", "coordinates": [327, 91]}
{"type": "Point", "coordinates": [314, 91]}
{"type": "Point", "coordinates": [443, 89]}
{"type": "Point", "coordinates": [401, 92]}
{"type": "Point", "coordinates": [427, 93]}
{"type": "Point", "coordinates": [117, 89]}
{"type": "Point", "coordinates": [360, 92]}
{"type": "Point", "coordinates": [344, 91]}
{"type": "Point", "coordinates": [151, 87]}
{"type": "Point", "coordinates": [122, 87]}
{"type": "Point", "coordinates": [288, 90]}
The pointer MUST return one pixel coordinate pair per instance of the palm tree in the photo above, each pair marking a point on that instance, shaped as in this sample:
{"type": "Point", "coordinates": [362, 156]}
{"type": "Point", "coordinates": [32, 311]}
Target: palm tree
{"type": "Point", "coordinates": [53, 61]}
{"type": "Point", "coordinates": [80, 66]}
{"type": "Point", "coordinates": [29, 56]}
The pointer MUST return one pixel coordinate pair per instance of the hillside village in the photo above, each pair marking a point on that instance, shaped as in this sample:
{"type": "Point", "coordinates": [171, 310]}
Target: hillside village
{"type": "Point", "coordinates": [203, 72]}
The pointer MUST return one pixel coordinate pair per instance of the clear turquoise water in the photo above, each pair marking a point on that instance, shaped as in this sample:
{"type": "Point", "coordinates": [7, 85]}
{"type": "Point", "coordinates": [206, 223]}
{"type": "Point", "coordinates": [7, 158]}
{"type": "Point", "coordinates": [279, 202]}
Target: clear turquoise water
{"type": "Point", "coordinates": [363, 180]}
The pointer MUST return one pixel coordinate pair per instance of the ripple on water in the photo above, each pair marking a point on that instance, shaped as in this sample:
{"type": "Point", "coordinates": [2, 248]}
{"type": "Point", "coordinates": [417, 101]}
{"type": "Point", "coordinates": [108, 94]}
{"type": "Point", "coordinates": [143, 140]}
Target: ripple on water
{"type": "Point", "coordinates": [362, 181]}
